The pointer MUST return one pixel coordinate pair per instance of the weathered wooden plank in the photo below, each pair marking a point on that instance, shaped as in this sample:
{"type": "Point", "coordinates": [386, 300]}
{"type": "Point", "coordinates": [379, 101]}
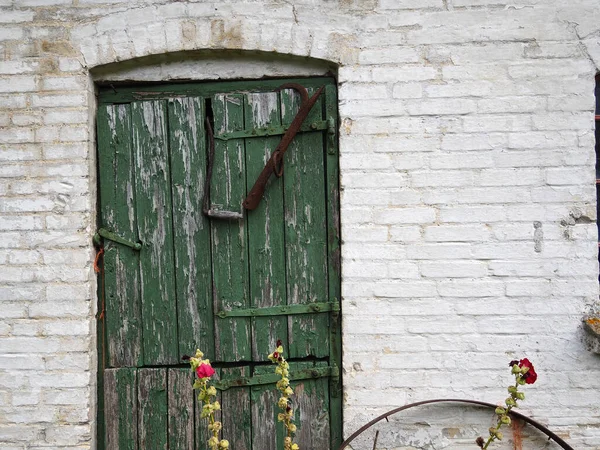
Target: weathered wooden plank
{"type": "Point", "coordinates": [305, 232]}
{"type": "Point", "coordinates": [267, 431]}
{"type": "Point", "coordinates": [334, 263]}
{"type": "Point", "coordinates": [152, 409]}
{"type": "Point", "coordinates": [121, 264]}
{"type": "Point", "coordinates": [229, 247]}
{"type": "Point", "coordinates": [266, 246]}
{"type": "Point", "coordinates": [153, 200]}
{"type": "Point", "coordinates": [181, 409]}
{"type": "Point", "coordinates": [235, 404]}
{"type": "Point", "coordinates": [120, 409]}
{"type": "Point", "coordinates": [123, 94]}
{"type": "Point", "coordinates": [191, 228]}
{"type": "Point", "coordinates": [311, 400]}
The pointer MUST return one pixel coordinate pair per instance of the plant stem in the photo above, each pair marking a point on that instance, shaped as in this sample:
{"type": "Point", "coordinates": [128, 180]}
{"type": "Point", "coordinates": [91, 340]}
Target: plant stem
{"type": "Point", "coordinates": [500, 423]}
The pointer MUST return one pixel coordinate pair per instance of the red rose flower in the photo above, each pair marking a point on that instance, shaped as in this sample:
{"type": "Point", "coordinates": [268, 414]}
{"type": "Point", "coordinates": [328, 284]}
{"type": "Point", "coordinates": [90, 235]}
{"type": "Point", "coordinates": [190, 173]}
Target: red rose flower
{"type": "Point", "coordinates": [205, 371]}
{"type": "Point", "coordinates": [530, 376]}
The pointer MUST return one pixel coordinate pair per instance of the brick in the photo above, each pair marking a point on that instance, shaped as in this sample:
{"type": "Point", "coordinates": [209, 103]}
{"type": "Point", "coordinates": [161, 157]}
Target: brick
{"type": "Point", "coordinates": [398, 75]}
{"type": "Point", "coordinates": [8, 33]}
{"type": "Point", "coordinates": [453, 269]}
{"type": "Point", "coordinates": [407, 90]}
{"type": "Point", "coordinates": [63, 83]}
{"type": "Point", "coordinates": [20, 223]}
{"type": "Point", "coordinates": [60, 309]}
{"type": "Point", "coordinates": [405, 216]}
{"type": "Point", "coordinates": [18, 83]}
{"type": "Point", "coordinates": [456, 233]}
{"type": "Point", "coordinates": [471, 288]}
{"type": "Point", "coordinates": [16, 16]}
{"type": "Point", "coordinates": [396, 55]}
{"type": "Point", "coordinates": [16, 135]}
{"type": "Point", "coordinates": [442, 178]}
{"type": "Point", "coordinates": [17, 67]}
{"type": "Point", "coordinates": [441, 106]}
{"type": "Point", "coordinates": [569, 176]}
{"type": "Point", "coordinates": [410, 4]}
{"type": "Point", "coordinates": [54, 100]}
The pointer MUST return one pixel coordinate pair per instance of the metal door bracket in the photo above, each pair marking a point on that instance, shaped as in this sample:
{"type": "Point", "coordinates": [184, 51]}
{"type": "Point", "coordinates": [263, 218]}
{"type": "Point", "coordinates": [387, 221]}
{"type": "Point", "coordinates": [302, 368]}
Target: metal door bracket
{"type": "Point", "coordinates": [272, 378]}
{"type": "Point", "coordinates": [103, 233]}
{"type": "Point", "coordinates": [284, 310]}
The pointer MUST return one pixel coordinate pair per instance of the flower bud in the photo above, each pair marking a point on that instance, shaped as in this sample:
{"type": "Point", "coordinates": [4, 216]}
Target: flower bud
{"type": "Point", "coordinates": [500, 410]}
{"type": "Point", "coordinates": [521, 395]}
{"type": "Point", "coordinates": [515, 369]}
{"type": "Point", "coordinates": [505, 420]}
{"type": "Point", "coordinates": [224, 444]}
{"type": "Point", "coordinates": [499, 435]}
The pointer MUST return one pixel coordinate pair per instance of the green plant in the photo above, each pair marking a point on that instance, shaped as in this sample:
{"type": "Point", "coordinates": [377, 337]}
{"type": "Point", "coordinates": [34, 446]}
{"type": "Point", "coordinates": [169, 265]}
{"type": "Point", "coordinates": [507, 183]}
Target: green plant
{"type": "Point", "coordinates": [524, 373]}
{"type": "Point", "coordinates": [283, 385]}
{"type": "Point", "coordinates": [207, 395]}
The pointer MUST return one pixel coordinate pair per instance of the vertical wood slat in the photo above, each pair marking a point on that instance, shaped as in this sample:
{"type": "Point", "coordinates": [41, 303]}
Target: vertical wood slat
{"type": "Point", "coordinates": [121, 264]}
{"type": "Point", "coordinates": [180, 409]}
{"type": "Point", "coordinates": [229, 246]}
{"type": "Point", "coordinates": [312, 417]}
{"type": "Point", "coordinates": [268, 432]}
{"type": "Point", "coordinates": [305, 231]}
{"type": "Point", "coordinates": [120, 411]}
{"type": "Point", "coordinates": [191, 228]}
{"type": "Point", "coordinates": [153, 199]}
{"type": "Point", "coordinates": [334, 264]}
{"type": "Point", "coordinates": [236, 415]}
{"type": "Point", "coordinates": [152, 409]}
{"type": "Point", "coordinates": [266, 247]}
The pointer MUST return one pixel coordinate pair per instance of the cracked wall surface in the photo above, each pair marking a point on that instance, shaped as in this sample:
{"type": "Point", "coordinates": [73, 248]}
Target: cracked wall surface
{"type": "Point", "coordinates": [468, 206]}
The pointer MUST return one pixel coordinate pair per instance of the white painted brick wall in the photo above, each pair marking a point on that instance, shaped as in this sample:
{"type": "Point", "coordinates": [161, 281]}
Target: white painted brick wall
{"type": "Point", "coordinates": [464, 122]}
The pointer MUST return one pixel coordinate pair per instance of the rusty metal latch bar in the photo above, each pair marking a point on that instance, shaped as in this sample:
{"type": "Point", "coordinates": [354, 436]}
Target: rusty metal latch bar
{"type": "Point", "coordinates": [103, 233]}
{"type": "Point", "coordinates": [284, 310]}
{"type": "Point", "coordinates": [272, 378]}
{"type": "Point", "coordinates": [275, 162]}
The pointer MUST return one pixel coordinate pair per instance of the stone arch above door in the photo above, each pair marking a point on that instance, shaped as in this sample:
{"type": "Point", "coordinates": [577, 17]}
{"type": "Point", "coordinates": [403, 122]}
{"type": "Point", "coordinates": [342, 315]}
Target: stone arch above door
{"type": "Point", "coordinates": [161, 29]}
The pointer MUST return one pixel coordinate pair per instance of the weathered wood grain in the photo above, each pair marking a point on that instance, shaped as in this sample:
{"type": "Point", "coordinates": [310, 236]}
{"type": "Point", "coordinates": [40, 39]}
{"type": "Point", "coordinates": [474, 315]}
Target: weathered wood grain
{"type": "Point", "coordinates": [235, 404]}
{"type": "Point", "coordinates": [180, 409]}
{"type": "Point", "coordinates": [334, 264]}
{"type": "Point", "coordinates": [152, 409]}
{"type": "Point", "coordinates": [191, 229]}
{"type": "Point", "coordinates": [266, 246]}
{"type": "Point", "coordinates": [153, 199]}
{"type": "Point", "coordinates": [229, 240]}
{"type": "Point", "coordinates": [305, 232]}
{"type": "Point", "coordinates": [121, 264]}
{"type": "Point", "coordinates": [268, 434]}
{"type": "Point", "coordinates": [312, 416]}
{"type": "Point", "coordinates": [120, 409]}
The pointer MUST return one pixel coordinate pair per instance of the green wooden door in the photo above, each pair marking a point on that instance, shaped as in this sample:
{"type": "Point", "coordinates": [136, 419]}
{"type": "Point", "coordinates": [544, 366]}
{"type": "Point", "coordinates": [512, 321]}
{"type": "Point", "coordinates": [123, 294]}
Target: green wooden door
{"type": "Point", "coordinates": [229, 287]}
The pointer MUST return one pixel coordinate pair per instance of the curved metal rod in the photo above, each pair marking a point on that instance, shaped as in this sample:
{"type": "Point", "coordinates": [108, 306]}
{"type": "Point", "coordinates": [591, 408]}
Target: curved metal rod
{"type": "Point", "coordinates": [513, 414]}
